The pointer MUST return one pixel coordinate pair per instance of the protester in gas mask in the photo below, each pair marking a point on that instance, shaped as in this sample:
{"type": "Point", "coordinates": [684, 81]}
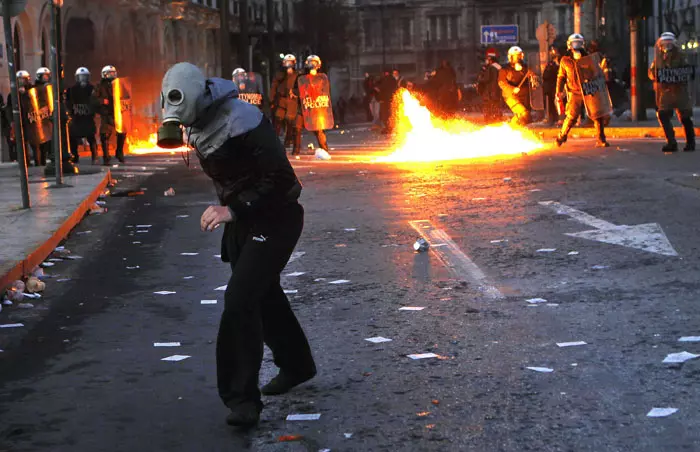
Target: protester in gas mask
{"type": "Point", "coordinates": [258, 192]}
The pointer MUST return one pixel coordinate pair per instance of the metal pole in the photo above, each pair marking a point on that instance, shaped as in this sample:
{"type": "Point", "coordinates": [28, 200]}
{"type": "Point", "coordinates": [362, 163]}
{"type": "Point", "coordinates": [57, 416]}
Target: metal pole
{"type": "Point", "coordinates": [61, 78]}
{"type": "Point", "coordinates": [225, 39]}
{"type": "Point", "coordinates": [56, 141]}
{"type": "Point", "coordinates": [381, 24]}
{"type": "Point", "coordinates": [271, 20]}
{"type": "Point", "coordinates": [19, 130]}
{"type": "Point", "coordinates": [634, 96]}
{"type": "Point", "coordinates": [250, 57]}
{"type": "Point", "coordinates": [577, 16]}
{"type": "Point", "coordinates": [243, 36]}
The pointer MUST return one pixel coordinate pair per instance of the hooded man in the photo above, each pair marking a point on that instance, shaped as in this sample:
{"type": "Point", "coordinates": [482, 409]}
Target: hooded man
{"type": "Point", "coordinates": [672, 77]}
{"type": "Point", "coordinates": [258, 195]}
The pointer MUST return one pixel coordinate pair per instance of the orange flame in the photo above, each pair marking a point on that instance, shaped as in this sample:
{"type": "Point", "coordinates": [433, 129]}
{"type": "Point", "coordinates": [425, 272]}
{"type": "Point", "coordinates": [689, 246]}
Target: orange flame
{"type": "Point", "coordinates": [150, 146]}
{"type": "Point", "coordinates": [424, 138]}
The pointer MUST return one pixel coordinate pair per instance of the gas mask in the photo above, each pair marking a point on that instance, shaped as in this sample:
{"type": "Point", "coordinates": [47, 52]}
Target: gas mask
{"type": "Point", "coordinates": [518, 66]}
{"type": "Point", "coordinates": [666, 46]}
{"type": "Point", "coordinates": [182, 100]}
{"type": "Point", "coordinates": [576, 54]}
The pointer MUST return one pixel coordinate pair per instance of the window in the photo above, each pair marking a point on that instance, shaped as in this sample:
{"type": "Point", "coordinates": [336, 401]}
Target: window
{"type": "Point", "coordinates": [433, 29]}
{"type": "Point", "coordinates": [369, 33]}
{"type": "Point", "coordinates": [443, 28]}
{"type": "Point", "coordinates": [385, 37]}
{"type": "Point", "coordinates": [454, 23]}
{"type": "Point", "coordinates": [406, 32]}
{"type": "Point", "coordinates": [532, 22]}
{"type": "Point", "coordinates": [508, 18]}
{"type": "Point", "coordinates": [486, 19]}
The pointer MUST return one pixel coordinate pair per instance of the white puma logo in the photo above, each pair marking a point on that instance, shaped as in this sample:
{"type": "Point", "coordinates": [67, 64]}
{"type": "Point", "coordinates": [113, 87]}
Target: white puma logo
{"type": "Point", "coordinates": [262, 238]}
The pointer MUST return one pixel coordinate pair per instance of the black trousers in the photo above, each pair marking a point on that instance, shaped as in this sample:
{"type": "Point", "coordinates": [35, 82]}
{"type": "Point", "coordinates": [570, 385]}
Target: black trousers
{"type": "Point", "coordinates": [256, 309]}
{"type": "Point", "coordinates": [75, 142]}
{"type": "Point", "coordinates": [104, 140]}
{"type": "Point", "coordinates": [550, 105]}
{"type": "Point", "coordinates": [575, 107]}
{"type": "Point", "coordinates": [686, 119]}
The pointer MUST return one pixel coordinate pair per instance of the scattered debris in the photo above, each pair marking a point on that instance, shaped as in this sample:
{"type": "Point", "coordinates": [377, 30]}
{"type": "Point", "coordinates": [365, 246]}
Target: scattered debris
{"type": "Point", "coordinates": [507, 179]}
{"type": "Point", "coordinates": [303, 417]}
{"type": "Point", "coordinates": [294, 274]}
{"type": "Point", "coordinates": [208, 302]}
{"type": "Point", "coordinates": [421, 245]}
{"type": "Point", "coordinates": [541, 369]}
{"type": "Point", "coordinates": [127, 193]}
{"type": "Point", "coordinates": [221, 288]}
{"type": "Point", "coordinates": [435, 402]}
{"type": "Point", "coordinates": [176, 358]}
{"type": "Point", "coordinates": [423, 413]}
{"type": "Point", "coordinates": [319, 279]}
{"type": "Point", "coordinates": [34, 285]}
{"type": "Point", "coordinates": [25, 306]}
{"type": "Point", "coordinates": [423, 355]}
{"type": "Point", "coordinates": [188, 277]}
{"type": "Point", "coordinates": [535, 190]}
{"type": "Point", "coordinates": [133, 268]}
{"type": "Point", "coordinates": [499, 241]}
{"type": "Point", "coordinates": [661, 412]}
{"type": "Point", "coordinates": [599, 267]}
{"type": "Point", "coordinates": [290, 291]}
{"type": "Point", "coordinates": [169, 192]}
{"type": "Point", "coordinates": [97, 210]}
{"type": "Point", "coordinates": [479, 199]}
{"type": "Point", "coordinates": [689, 339]}
{"type": "Point", "coordinates": [350, 229]}
{"type": "Point", "coordinates": [339, 281]}
{"type": "Point", "coordinates": [12, 325]}
{"type": "Point", "coordinates": [546, 250]}
{"type": "Point", "coordinates": [322, 155]}
{"type": "Point", "coordinates": [536, 300]}
{"type": "Point", "coordinates": [47, 264]}
{"type": "Point", "coordinates": [573, 253]}
{"type": "Point", "coordinates": [166, 344]}
{"type": "Point", "coordinates": [347, 435]}
{"type": "Point", "coordinates": [571, 344]}
{"type": "Point", "coordinates": [140, 226]}
{"type": "Point", "coordinates": [377, 340]}
{"type": "Point", "coordinates": [679, 357]}
{"type": "Point", "coordinates": [189, 254]}
{"type": "Point", "coordinates": [164, 292]}
{"type": "Point", "coordinates": [83, 232]}
{"type": "Point", "coordinates": [412, 308]}
{"type": "Point", "coordinates": [182, 216]}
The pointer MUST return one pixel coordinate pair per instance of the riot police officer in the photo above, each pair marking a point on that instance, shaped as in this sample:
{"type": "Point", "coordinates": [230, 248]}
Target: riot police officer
{"type": "Point", "coordinates": [287, 113]}
{"type": "Point", "coordinates": [80, 105]}
{"type": "Point", "coordinates": [487, 87]}
{"type": "Point", "coordinates": [513, 79]}
{"type": "Point", "coordinates": [43, 76]}
{"type": "Point", "coordinates": [671, 75]}
{"type": "Point", "coordinates": [569, 79]}
{"type": "Point", "coordinates": [105, 95]}
{"type": "Point", "coordinates": [312, 65]}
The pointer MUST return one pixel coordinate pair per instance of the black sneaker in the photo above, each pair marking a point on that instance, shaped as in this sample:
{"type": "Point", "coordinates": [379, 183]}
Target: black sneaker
{"type": "Point", "coordinates": [282, 383]}
{"type": "Point", "coordinates": [670, 147]}
{"type": "Point", "coordinates": [244, 415]}
{"type": "Point", "coordinates": [689, 147]}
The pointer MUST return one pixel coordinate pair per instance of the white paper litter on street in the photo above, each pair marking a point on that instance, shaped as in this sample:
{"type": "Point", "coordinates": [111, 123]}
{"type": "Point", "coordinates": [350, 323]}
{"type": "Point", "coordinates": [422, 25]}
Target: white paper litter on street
{"type": "Point", "coordinates": [182, 216]}
{"type": "Point", "coordinates": [350, 229]}
{"type": "Point", "coordinates": [552, 304]}
{"type": "Point", "coordinates": [143, 226]}
{"type": "Point", "coordinates": [573, 253]}
{"type": "Point", "coordinates": [133, 268]}
{"type": "Point", "coordinates": [348, 435]}
{"type": "Point", "coordinates": [188, 254]}
{"type": "Point", "coordinates": [164, 292]}
{"type": "Point", "coordinates": [689, 339]}
{"type": "Point", "coordinates": [55, 259]}
{"type": "Point", "coordinates": [546, 250]}
{"type": "Point", "coordinates": [319, 279]}
{"type": "Point", "coordinates": [536, 300]}
{"type": "Point", "coordinates": [47, 264]}
{"type": "Point", "coordinates": [166, 344]}
{"type": "Point", "coordinates": [11, 325]}
{"type": "Point", "coordinates": [324, 450]}
{"type": "Point", "coordinates": [679, 357]}
{"type": "Point", "coordinates": [661, 412]}
{"type": "Point", "coordinates": [377, 340]}
{"type": "Point", "coordinates": [339, 281]}
{"type": "Point", "coordinates": [423, 355]}
{"type": "Point", "coordinates": [499, 241]}
{"type": "Point", "coordinates": [571, 344]}
{"type": "Point", "coordinates": [73, 257]}
{"type": "Point", "coordinates": [221, 288]}
{"type": "Point", "coordinates": [208, 302]}
{"type": "Point", "coordinates": [290, 291]}
{"type": "Point", "coordinates": [541, 369]}
{"type": "Point", "coordinates": [141, 230]}
{"type": "Point", "coordinates": [218, 256]}
{"type": "Point", "coordinates": [135, 243]}
{"type": "Point", "coordinates": [60, 248]}
{"type": "Point", "coordinates": [412, 308]}
{"type": "Point", "coordinates": [599, 267]}
{"type": "Point", "coordinates": [304, 417]}
{"type": "Point", "coordinates": [188, 277]}
{"type": "Point", "coordinates": [293, 274]}
{"type": "Point", "coordinates": [175, 358]}
{"type": "Point", "coordinates": [535, 190]}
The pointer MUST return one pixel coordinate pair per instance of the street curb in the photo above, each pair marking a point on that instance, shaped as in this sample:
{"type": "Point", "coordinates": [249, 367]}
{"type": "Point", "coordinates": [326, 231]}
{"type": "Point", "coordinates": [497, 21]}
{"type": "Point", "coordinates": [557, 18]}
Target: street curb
{"type": "Point", "coordinates": [36, 257]}
{"type": "Point", "coordinates": [615, 132]}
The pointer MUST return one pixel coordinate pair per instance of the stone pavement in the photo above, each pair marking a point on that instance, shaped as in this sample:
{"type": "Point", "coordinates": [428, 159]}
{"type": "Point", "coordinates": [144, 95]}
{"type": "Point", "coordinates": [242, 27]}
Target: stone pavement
{"type": "Point", "coordinates": [27, 237]}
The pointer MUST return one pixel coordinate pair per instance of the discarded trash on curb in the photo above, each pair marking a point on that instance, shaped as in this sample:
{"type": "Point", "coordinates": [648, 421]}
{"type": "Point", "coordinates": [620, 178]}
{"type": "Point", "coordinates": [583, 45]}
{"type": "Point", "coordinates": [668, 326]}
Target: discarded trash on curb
{"type": "Point", "coordinates": [303, 417]}
{"type": "Point", "coordinates": [97, 210]}
{"type": "Point", "coordinates": [421, 245]}
{"type": "Point", "coordinates": [541, 369]}
{"type": "Point", "coordinates": [169, 192]}
{"type": "Point", "coordinates": [378, 340]}
{"type": "Point", "coordinates": [681, 357]}
{"type": "Point", "coordinates": [661, 412]}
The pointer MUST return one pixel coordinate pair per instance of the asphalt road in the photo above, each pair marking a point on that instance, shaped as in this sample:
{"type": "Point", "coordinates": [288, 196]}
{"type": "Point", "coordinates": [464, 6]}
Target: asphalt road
{"type": "Point", "coordinates": [84, 375]}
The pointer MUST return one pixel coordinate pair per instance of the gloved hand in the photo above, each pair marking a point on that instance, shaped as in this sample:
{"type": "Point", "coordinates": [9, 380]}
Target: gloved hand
{"type": "Point", "coordinates": [516, 90]}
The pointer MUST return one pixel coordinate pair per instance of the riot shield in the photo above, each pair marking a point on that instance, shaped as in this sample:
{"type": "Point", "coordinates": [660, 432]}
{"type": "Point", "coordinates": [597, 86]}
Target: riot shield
{"type": "Point", "coordinates": [596, 97]}
{"type": "Point", "coordinates": [121, 91]}
{"type": "Point", "coordinates": [535, 80]}
{"type": "Point", "coordinates": [37, 107]}
{"type": "Point", "coordinates": [674, 80]}
{"type": "Point", "coordinates": [250, 88]}
{"type": "Point", "coordinates": [315, 95]}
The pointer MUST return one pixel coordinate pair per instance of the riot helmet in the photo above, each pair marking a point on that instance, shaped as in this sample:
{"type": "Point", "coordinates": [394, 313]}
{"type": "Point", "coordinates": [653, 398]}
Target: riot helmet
{"type": "Point", "coordinates": [666, 41]}
{"type": "Point", "coordinates": [238, 71]}
{"type": "Point", "coordinates": [516, 57]}
{"type": "Point", "coordinates": [575, 42]}
{"type": "Point", "coordinates": [43, 75]}
{"type": "Point", "coordinates": [23, 80]}
{"type": "Point", "coordinates": [289, 62]}
{"type": "Point", "coordinates": [109, 72]}
{"type": "Point", "coordinates": [82, 76]}
{"type": "Point", "coordinates": [313, 62]}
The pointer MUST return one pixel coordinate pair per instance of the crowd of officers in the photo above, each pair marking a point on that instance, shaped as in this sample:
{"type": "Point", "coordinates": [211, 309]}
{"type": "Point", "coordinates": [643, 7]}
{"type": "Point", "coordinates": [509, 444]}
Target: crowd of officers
{"type": "Point", "coordinates": [82, 102]}
{"type": "Point", "coordinates": [563, 92]}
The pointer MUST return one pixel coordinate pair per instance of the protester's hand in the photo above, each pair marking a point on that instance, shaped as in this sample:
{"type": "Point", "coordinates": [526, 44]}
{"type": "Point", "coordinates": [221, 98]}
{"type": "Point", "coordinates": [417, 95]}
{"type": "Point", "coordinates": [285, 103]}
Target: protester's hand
{"type": "Point", "coordinates": [516, 90]}
{"type": "Point", "coordinates": [214, 216]}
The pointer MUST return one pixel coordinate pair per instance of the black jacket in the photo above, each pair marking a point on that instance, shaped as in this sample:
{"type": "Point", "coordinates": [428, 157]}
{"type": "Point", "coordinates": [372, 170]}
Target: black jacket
{"type": "Point", "coordinates": [252, 174]}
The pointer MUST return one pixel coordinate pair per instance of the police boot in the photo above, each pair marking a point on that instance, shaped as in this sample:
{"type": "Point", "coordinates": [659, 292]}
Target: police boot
{"type": "Point", "coordinates": [664, 117]}
{"type": "Point", "coordinates": [285, 381]}
{"type": "Point", "coordinates": [600, 129]}
{"type": "Point", "coordinates": [104, 141]}
{"type": "Point", "coordinates": [121, 139]}
{"type": "Point", "coordinates": [689, 133]}
{"type": "Point", "coordinates": [565, 129]}
{"type": "Point", "coordinates": [322, 140]}
{"type": "Point", "coordinates": [245, 414]}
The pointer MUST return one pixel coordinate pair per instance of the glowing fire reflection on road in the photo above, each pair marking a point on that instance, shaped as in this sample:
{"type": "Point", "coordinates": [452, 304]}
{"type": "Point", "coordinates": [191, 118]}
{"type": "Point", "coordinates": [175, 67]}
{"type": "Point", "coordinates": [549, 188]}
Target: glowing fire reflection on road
{"type": "Point", "coordinates": [423, 138]}
{"type": "Point", "coordinates": [142, 147]}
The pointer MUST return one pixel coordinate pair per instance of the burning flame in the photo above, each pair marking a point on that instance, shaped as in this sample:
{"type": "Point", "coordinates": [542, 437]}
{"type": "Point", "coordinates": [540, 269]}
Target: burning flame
{"type": "Point", "coordinates": [150, 146]}
{"type": "Point", "coordinates": [427, 139]}
{"type": "Point", "coordinates": [117, 96]}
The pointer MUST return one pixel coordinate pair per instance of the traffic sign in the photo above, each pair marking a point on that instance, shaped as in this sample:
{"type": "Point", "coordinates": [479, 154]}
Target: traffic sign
{"type": "Point", "coordinates": [499, 34]}
{"type": "Point", "coordinates": [16, 7]}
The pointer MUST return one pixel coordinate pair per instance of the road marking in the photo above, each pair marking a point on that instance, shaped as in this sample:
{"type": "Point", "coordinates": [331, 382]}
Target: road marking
{"type": "Point", "coordinates": [647, 237]}
{"type": "Point", "coordinates": [454, 259]}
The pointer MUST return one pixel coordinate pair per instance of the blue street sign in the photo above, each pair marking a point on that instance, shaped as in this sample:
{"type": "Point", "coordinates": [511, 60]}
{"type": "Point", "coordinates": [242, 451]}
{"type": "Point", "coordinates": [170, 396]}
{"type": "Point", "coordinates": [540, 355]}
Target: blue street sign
{"type": "Point", "coordinates": [499, 34]}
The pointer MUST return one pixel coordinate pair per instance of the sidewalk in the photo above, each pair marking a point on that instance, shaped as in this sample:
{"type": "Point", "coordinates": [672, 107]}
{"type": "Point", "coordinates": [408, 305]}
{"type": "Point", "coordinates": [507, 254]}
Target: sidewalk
{"type": "Point", "coordinates": [27, 237]}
